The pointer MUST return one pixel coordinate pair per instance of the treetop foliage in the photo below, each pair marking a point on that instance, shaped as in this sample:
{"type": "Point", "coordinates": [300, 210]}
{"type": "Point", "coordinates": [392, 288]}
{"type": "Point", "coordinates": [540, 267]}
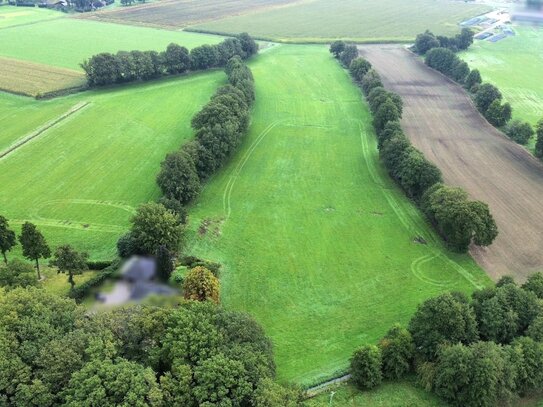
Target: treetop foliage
{"type": "Point", "coordinates": [52, 353]}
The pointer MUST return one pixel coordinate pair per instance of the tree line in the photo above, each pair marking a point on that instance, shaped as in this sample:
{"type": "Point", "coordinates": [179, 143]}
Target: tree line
{"type": "Point", "coordinates": [488, 99]}
{"type": "Point", "coordinates": [482, 351]}
{"type": "Point", "coordinates": [128, 66]}
{"type": "Point", "coordinates": [457, 219]}
{"type": "Point", "coordinates": [54, 353]}
{"type": "Point", "coordinates": [158, 228]}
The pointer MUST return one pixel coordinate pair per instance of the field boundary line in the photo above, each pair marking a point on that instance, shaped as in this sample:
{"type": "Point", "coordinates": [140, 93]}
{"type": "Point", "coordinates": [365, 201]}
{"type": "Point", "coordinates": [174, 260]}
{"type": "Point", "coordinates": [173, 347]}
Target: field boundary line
{"type": "Point", "coordinates": [25, 139]}
{"type": "Point", "coordinates": [32, 23]}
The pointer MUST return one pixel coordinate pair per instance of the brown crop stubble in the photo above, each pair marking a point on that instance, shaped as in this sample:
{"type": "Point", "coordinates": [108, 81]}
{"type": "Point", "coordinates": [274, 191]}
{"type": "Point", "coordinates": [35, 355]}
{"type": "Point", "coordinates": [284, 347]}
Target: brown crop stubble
{"type": "Point", "coordinates": [441, 120]}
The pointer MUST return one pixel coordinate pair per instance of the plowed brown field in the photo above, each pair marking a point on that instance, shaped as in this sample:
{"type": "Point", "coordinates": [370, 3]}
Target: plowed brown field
{"type": "Point", "coordinates": [441, 120]}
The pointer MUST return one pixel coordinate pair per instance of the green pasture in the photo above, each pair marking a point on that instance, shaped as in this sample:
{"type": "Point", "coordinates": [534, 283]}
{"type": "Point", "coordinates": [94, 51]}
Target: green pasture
{"type": "Point", "coordinates": [317, 242]}
{"type": "Point", "coordinates": [80, 180]}
{"type": "Point", "coordinates": [67, 42]}
{"type": "Point", "coordinates": [401, 393]}
{"type": "Point", "coordinates": [11, 15]}
{"type": "Point", "coordinates": [354, 20]}
{"type": "Point", "coordinates": [515, 66]}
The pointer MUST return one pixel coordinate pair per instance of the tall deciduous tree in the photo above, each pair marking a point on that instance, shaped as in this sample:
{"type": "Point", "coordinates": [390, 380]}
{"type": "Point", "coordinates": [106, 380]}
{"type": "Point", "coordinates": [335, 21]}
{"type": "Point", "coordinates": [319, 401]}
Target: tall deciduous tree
{"type": "Point", "coordinates": [397, 350]}
{"type": "Point", "coordinates": [154, 226]}
{"type": "Point", "coordinates": [366, 367]}
{"type": "Point", "coordinates": [164, 263]}
{"type": "Point", "coordinates": [34, 245]}
{"type": "Point", "coordinates": [337, 48]}
{"type": "Point", "coordinates": [178, 178]}
{"type": "Point", "coordinates": [445, 319]}
{"type": "Point", "coordinates": [7, 238]}
{"type": "Point", "coordinates": [70, 261]}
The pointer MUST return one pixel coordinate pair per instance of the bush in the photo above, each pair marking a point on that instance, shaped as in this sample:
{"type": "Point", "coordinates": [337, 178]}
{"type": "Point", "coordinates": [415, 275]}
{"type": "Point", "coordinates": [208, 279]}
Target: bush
{"type": "Point", "coordinates": [79, 292]}
{"type": "Point", "coordinates": [486, 94]}
{"type": "Point", "coordinates": [497, 114]}
{"type": "Point", "coordinates": [192, 261]}
{"type": "Point", "coordinates": [519, 132]}
{"type": "Point", "coordinates": [348, 55]}
{"type": "Point", "coordinates": [359, 67]}
{"type": "Point", "coordinates": [17, 273]}
{"type": "Point", "coordinates": [178, 276]}
{"type": "Point", "coordinates": [371, 80]}
{"type": "Point", "coordinates": [397, 350]}
{"type": "Point", "coordinates": [127, 246]}
{"type": "Point", "coordinates": [98, 265]}
{"type": "Point", "coordinates": [201, 285]}
{"type": "Point", "coordinates": [366, 367]}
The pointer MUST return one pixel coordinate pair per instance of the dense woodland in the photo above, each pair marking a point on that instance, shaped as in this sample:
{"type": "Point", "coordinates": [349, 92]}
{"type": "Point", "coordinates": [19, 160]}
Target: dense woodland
{"type": "Point", "coordinates": [459, 220]}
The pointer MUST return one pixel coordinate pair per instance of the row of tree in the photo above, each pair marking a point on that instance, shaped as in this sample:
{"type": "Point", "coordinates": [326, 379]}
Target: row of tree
{"type": "Point", "coordinates": [482, 352]}
{"type": "Point", "coordinates": [106, 68]}
{"type": "Point", "coordinates": [487, 97]}
{"type": "Point", "coordinates": [220, 127]}
{"type": "Point", "coordinates": [427, 41]}
{"type": "Point", "coordinates": [457, 219]}
{"type": "Point", "coordinates": [35, 247]}
{"type": "Point", "coordinates": [54, 353]}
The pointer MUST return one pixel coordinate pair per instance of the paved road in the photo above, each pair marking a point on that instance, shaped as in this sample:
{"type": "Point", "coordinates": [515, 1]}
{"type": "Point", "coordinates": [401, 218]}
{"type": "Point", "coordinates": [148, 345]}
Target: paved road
{"type": "Point", "coordinates": [440, 120]}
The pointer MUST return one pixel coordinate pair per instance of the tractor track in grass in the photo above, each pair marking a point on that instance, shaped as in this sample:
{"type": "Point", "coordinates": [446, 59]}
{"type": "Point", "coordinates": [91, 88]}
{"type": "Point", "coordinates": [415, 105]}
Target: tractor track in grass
{"type": "Point", "coordinates": [410, 224]}
{"type": "Point", "coordinates": [42, 129]}
{"type": "Point", "coordinates": [441, 120]}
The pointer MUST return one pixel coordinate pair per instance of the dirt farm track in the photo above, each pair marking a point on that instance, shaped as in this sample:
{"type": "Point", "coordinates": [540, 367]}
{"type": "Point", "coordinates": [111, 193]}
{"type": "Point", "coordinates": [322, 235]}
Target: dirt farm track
{"type": "Point", "coordinates": [440, 120]}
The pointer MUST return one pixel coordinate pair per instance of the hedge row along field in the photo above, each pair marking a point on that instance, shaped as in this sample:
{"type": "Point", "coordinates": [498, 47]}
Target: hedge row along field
{"type": "Point", "coordinates": [316, 241]}
{"type": "Point", "coordinates": [130, 66]}
{"type": "Point", "coordinates": [487, 98]}
{"type": "Point", "coordinates": [459, 221]}
{"type": "Point", "coordinates": [500, 64]}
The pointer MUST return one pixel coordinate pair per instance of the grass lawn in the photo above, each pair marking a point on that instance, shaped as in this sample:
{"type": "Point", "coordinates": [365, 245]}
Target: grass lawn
{"type": "Point", "coordinates": [11, 16]}
{"type": "Point", "coordinates": [317, 242]}
{"type": "Point", "coordinates": [355, 20]}
{"type": "Point", "coordinates": [80, 180]}
{"type": "Point", "coordinates": [514, 66]}
{"type": "Point", "coordinates": [57, 283]}
{"type": "Point", "coordinates": [49, 43]}
{"type": "Point", "coordinates": [403, 393]}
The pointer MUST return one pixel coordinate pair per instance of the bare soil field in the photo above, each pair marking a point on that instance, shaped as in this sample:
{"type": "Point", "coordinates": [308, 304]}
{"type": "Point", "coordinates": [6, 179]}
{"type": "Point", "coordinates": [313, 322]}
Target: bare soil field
{"type": "Point", "coordinates": [181, 13]}
{"type": "Point", "coordinates": [32, 79]}
{"type": "Point", "coordinates": [441, 120]}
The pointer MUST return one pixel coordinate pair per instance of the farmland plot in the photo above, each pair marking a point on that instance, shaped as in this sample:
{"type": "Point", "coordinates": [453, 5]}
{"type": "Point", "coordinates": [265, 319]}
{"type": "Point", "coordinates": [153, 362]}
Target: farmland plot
{"type": "Point", "coordinates": [32, 79]}
{"type": "Point", "coordinates": [181, 13]}
{"type": "Point", "coordinates": [317, 242]}
{"type": "Point", "coordinates": [354, 20]}
{"type": "Point", "coordinates": [441, 120]}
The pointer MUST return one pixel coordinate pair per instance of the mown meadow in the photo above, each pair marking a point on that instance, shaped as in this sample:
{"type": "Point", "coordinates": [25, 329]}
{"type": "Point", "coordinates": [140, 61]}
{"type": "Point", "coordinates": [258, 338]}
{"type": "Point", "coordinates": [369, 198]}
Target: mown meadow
{"type": "Point", "coordinates": [353, 20]}
{"type": "Point", "coordinates": [11, 16]}
{"type": "Point", "coordinates": [81, 179]}
{"type": "Point", "coordinates": [317, 243]}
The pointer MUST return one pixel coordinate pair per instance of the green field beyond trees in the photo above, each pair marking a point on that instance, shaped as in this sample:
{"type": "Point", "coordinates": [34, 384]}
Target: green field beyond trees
{"type": "Point", "coordinates": [317, 242]}
{"type": "Point", "coordinates": [514, 65]}
{"type": "Point", "coordinates": [10, 16]}
{"type": "Point", "coordinates": [66, 42]}
{"type": "Point", "coordinates": [355, 20]}
{"type": "Point", "coordinates": [80, 180]}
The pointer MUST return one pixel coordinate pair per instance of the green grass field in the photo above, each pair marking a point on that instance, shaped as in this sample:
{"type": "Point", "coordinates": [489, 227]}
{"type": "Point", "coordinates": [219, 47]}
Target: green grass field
{"type": "Point", "coordinates": [317, 242]}
{"type": "Point", "coordinates": [355, 20]}
{"type": "Point", "coordinates": [66, 42]}
{"type": "Point", "coordinates": [80, 180]}
{"type": "Point", "coordinates": [402, 393]}
{"type": "Point", "coordinates": [514, 65]}
{"type": "Point", "coordinates": [11, 16]}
